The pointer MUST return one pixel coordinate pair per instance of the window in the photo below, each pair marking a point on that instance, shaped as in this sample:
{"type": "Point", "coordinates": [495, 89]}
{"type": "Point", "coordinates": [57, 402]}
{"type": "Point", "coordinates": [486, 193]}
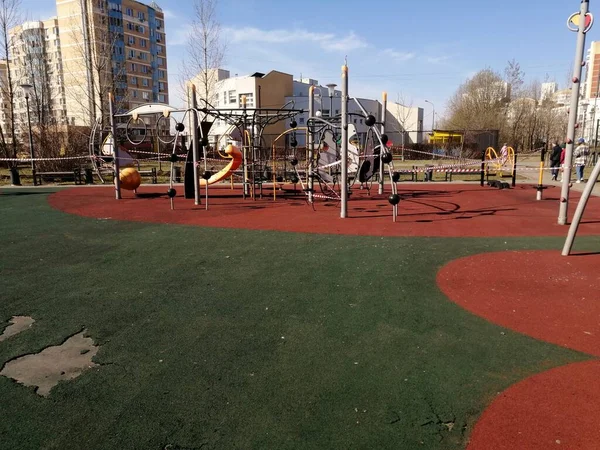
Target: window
{"type": "Point", "coordinates": [159, 49]}
{"type": "Point", "coordinates": [131, 53]}
{"type": "Point", "coordinates": [249, 100]}
{"type": "Point", "coordinates": [144, 69]}
{"type": "Point", "coordinates": [161, 98]}
{"type": "Point", "coordinates": [224, 97]}
{"type": "Point", "coordinates": [134, 93]}
{"type": "Point", "coordinates": [129, 26]}
{"type": "Point", "coordinates": [232, 98]}
{"type": "Point", "coordinates": [143, 56]}
{"type": "Point", "coordinates": [159, 24]}
{"type": "Point", "coordinates": [143, 43]}
{"type": "Point", "coordinates": [134, 80]}
{"type": "Point", "coordinates": [161, 74]}
{"type": "Point", "coordinates": [129, 12]}
{"type": "Point", "coordinates": [160, 61]}
{"type": "Point", "coordinates": [141, 15]}
{"type": "Point", "coordinates": [132, 67]}
{"type": "Point", "coordinates": [161, 86]}
{"type": "Point", "coordinates": [131, 40]}
{"type": "Point", "coordinates": [145, 95]}
{"type": "Point", "coordinates": [145, 82]}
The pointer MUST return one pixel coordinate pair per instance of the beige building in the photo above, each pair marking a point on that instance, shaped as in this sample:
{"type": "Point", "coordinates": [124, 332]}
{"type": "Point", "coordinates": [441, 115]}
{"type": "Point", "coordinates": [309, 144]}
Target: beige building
{"type": "Point", "coordinates": [36, 60]}
{"type": "Point", "coordinates": [592, 74]}
{"type": "Point", "coordinates": [117, 47]}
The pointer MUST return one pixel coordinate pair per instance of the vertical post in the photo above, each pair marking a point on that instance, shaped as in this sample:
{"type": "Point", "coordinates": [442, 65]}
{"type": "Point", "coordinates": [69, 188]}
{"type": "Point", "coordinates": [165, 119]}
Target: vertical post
{"type": "Point", "coordinates": [30, 141]}
{"type": "Point", "coordinates": [113, 130]}
{"type": "Point", "coordinates": [564, 194]}
{"type": "Point", "coordinates": [194, 136]}
{"type": "Point", "coordinates": [344, 181]}
{"type": "Point", "coordinates": [311, 144]}
{"type": "Point", "coordinates": [597, 126]}
{"type": "Point", "coordinates": [244, 150]}
{"type": "Point", "coordinates": [482, 168]}
{"type": "Point", "coordinates": [383, 117]}
{"type": "Point", "coordinates": [514, 171]}
{"type": "Point", "coordinates": [540, 186]}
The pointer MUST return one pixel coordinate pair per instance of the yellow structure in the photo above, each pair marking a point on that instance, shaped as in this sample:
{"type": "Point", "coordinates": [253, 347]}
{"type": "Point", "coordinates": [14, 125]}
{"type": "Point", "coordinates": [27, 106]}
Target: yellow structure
{"type": "Point", "coordinates": [446, 137]}
{"type": "Point", "coordinates": [499, 164]}
{"type": "Point", "coordinates": [130, 179]}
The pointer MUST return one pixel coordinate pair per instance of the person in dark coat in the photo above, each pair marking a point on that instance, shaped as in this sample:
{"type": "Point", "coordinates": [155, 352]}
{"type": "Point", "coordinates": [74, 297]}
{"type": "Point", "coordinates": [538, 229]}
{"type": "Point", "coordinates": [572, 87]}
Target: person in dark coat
{"type": "Point", "coordinates": [555, 160]}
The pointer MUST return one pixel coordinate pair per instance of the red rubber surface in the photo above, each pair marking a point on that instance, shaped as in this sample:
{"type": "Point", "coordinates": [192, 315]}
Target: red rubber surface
{"type": "Point", "coordinates": [552, 298]}
{"type": "Point", "coordinates": [436, 209]}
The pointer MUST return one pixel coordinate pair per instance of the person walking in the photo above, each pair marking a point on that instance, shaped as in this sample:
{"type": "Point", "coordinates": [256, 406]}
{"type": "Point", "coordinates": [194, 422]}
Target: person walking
{"type": "Point", "coordinates": [555, 160]}
{"type": "Point", "coordinates": [581, 154]}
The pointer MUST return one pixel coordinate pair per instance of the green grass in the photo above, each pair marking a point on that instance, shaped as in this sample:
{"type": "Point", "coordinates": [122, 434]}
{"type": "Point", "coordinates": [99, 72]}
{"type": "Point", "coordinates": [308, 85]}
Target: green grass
{"type": "Point", "coordinates": [227, 339]}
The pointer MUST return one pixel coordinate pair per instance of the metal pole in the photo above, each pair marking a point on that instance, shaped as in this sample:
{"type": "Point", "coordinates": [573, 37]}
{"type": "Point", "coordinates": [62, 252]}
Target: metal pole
{"type": "Point", "coordinates": [344, 182]}
{"type": "Point", "coordinates": [31, 142]}
{"type": "Point", "coordinates": [311, 144]}
{"type": "Point", "coordinates": [383, 117]}
{"type": "Point", "coordinates": [482, 174]}
{"type": "Point", "coordinates": [113, 130]}
{"type": "Point", "coordinates": [564, 194]}
{"type": "Point", "coordinates": [245, 190]}
{"type": "Point", "coordinates": [194, 135]}
{"type": "Point", "coordinates": [589, 187]}
{"type": "Point", "coordinates": [514, 172]}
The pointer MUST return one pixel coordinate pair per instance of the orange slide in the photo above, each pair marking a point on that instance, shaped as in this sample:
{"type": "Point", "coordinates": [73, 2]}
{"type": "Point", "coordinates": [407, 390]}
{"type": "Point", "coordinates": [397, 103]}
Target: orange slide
{"type": "Point", "coordinates": [236, 159]}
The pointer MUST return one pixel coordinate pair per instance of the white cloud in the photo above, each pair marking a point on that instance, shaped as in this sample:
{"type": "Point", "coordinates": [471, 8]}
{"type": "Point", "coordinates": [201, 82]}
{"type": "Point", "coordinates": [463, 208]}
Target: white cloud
{"type": "Point", "coordinates": [327, 41]}
{"type": "Point", "coordinates": [180, 35]}
{"type": "Point", "coordinates": [398, 56]}
{"type": "Point", "coordinates": [169, 14]}
{"type": "Point", "coordinates": [437, 59]}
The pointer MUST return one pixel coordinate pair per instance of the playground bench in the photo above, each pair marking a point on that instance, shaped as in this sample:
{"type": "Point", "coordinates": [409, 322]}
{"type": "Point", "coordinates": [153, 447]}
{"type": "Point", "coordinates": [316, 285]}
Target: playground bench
{"type": "Point", "coordinates": [150, 173]}
{"type": "Point", "coordinates": [449, 173]}
{"type": "Point", "coordinates": [73, 175]}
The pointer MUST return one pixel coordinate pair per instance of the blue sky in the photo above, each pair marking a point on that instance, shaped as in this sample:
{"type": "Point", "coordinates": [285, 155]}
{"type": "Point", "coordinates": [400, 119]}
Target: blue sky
{"type": "Point", "coordinates": [417, 50]}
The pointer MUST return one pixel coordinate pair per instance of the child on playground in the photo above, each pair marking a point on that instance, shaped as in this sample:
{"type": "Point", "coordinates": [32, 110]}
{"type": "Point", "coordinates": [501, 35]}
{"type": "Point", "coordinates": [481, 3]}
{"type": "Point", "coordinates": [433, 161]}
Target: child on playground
{"type": "Point", "coordinates": [580, 154]}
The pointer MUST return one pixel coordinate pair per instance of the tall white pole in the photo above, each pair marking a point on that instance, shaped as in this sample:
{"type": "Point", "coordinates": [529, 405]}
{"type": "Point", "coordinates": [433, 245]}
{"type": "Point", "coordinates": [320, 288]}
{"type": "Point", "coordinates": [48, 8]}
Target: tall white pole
{"type": "Point", "coordinates": [311, 144]}
{"type": "Point", "coordinates": [113, 130]}
{"type": "Point", "coordinates": [344, 181]}
{"type": "Point", "coordinates": [194, 136]}
{"type": "Point", "coordinates": [564, 194]}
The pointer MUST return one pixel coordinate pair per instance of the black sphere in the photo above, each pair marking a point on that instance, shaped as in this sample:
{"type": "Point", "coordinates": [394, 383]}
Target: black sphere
{"type": "Point", "coordinates": [294, 162]}
{"type": "Point", "coordinates": [295, 180]}
{"type": "Point", "coordinates": [294, 143]}
{"type": "Point", "coordinates": [394, 199]}
{"type": "Point", "coordinates": [171, 193]}
{"type": "Point", "coordinates": [173, 158]}
{"type": "Point", "coordinates": [204, 142]}
{"type": "Point", "coordinates": [384, 139]}
{"type": "Point", "coordinates": [370, 120]}
{"type": "Point", "coordinates": [293, 124]}
{"type": "Point", "coordinates": [206, 175]}
{"type": "Point", "coordinates": [396, 177]}
{"type": "Point", "coordinates": [180, 127]}
{"type": "Point", "coordinates": [387, 158]}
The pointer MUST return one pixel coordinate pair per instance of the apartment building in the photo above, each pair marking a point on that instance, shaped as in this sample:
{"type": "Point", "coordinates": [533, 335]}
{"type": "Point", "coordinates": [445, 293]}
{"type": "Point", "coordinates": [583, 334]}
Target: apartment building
{"type": "Point", "coordinates": [117, 47]}
{"type": "Point", "coordinates": [36, 60]}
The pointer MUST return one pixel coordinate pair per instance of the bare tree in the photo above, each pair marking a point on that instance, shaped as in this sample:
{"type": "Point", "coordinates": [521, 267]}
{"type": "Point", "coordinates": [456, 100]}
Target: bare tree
{"type": "Point", "coordinates": [10, 17]}
{"type": "Point", "coordinates": [206, 49]}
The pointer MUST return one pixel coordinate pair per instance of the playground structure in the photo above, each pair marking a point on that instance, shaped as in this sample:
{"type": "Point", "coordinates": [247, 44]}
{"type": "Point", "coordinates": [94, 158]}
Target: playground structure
{"type": "Point", "coordinates": [335, 159]}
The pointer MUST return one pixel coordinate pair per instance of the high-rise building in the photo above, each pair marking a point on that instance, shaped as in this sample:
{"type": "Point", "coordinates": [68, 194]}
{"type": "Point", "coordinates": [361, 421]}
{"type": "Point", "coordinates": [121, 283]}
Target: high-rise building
{"type": "Point", "coordinates": [592, 73]}
{"type": "Point", "coordinates": [36, 60]}
{"type": "Point", "coordinates": [114, 47]}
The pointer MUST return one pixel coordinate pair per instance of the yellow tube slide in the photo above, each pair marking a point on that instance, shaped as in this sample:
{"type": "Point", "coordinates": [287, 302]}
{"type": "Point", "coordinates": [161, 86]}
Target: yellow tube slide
{"type": "Point", "coordinates": [236, 159]}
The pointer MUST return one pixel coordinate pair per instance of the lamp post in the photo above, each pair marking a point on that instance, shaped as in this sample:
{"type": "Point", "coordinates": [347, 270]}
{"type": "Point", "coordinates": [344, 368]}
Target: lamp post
{"type": "Point", "coordinates": [432, 116]}
{"type": "Point", "coordinates": [28, 89]}
{"type": "Point", "coordinates": [331, 88]}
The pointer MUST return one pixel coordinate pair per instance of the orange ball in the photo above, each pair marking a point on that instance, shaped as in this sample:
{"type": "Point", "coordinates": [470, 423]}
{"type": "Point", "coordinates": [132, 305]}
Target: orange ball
{"type": "Point", "coordinates": [130, 179]}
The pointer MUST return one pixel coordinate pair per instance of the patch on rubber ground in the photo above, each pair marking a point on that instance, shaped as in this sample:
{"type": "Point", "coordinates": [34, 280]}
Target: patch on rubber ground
{"type": "Point", "coordinates": [17, 325]}
{"type": "Point", "coordinates": [46, 369]}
